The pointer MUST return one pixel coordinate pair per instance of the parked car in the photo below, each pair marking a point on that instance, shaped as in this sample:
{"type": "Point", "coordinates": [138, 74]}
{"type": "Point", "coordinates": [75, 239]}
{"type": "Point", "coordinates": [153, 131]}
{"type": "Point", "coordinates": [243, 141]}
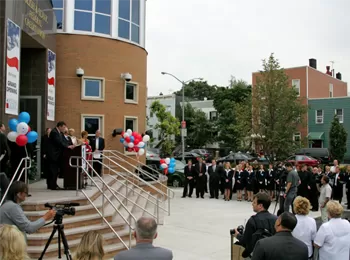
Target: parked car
{"type": "Point", "coordinates": [175, 179]}
{"type": "Point", "coordinates": [303, 159]}
{"type": "Point", "coordinates": [188, 156]}
{"type": "Point", "coordinates": [150, 154]}
{"type": "Point", "coordinates": [205, 154]}
{"type": "Point", "coordinates": [321, 154]}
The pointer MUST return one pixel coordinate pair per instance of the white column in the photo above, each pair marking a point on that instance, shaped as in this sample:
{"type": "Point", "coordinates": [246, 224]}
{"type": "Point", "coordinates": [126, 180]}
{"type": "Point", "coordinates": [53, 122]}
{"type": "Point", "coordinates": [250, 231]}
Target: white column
{"type": "Point", "coordinates": [69, 16]}
{"type": "Point", "coordinates": [143, 23]}
{"type": "Point", "coordinates": [114, 18]}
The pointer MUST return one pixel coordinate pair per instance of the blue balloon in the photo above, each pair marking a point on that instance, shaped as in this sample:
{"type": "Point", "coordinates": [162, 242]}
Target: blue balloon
{"type": "Point", "coordinates": [24, 117]}
{"type": "Point", "coordinates": [171, 170]}
{"type": "Point", "coordinates": [132, 139]}
{"type": "Point", "coordinates": [172, 160]}
{"type": "Point", "coordinates": [122, 140]}
{"type": "Point", "coordinates": [13, 124]}
{"type": "Point", "coordinates": [172, 164]}
{"type": "Point", "coordinates": [32, 137]}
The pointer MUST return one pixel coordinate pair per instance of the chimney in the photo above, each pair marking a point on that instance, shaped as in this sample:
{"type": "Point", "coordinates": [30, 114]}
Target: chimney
{"type": "Point", "coordinates": [161, 94]}
{"type": "Point", "coordinates": [313, 63]}
{"type": "Point", "coordinates": [328, 72]}
{"type": "Point", "coordinates": [338, 76]}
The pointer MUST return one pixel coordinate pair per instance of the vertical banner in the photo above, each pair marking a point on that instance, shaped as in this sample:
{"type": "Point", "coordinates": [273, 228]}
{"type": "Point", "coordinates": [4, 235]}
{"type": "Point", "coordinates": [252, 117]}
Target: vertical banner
{"type": "Point", "coordinates": [12, 68]}
{"type": "Point", "coordinates": [51, 94]}
{"type": "Point", "coordinates": [83, 154]}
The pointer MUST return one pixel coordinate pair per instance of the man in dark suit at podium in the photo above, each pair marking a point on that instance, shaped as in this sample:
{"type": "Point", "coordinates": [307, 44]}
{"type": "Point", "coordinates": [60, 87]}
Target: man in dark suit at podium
{"type": "Point", "coordinates": [97, 146]}
{"type": "Point", "coordinates": [189, 179]}
{"type": "Point", "coordinates": [55, 147]}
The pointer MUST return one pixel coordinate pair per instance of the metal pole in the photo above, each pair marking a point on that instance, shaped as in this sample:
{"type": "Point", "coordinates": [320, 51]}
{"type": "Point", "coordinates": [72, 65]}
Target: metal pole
{"type": "Point", "coordinates": [168, 202]}
{"type": "Point", "coordinates": [183, 119]}
{"type": "Point", "coordinates": [77, 178]}
{"type": "Point", "coordinates": [126, 193]}
{"type": "Point", "coordinates": [129, 235]}
{"type": "Point", "coordinates": [158, 210]}
{"type": "Point", "coordinates": [103, 201]}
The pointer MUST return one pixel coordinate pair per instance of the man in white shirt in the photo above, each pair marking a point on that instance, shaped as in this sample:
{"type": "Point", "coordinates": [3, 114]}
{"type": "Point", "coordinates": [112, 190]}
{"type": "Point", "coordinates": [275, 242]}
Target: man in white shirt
{"type": "Point", "coordinates": [335, 162]}
{"type": "Point", "coordinates": [97, 146]}
{"type": "Point", "coordinates": [325, 195]}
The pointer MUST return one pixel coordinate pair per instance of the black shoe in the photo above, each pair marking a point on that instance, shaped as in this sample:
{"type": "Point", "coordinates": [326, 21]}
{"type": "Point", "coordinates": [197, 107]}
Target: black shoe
{"type": "Point", "coordinates": [190, 196]}
{"type": "Point", "coordinates": [197, 197]}
{"type": "Point", "coordinates": [217, 198]}
{"type": "Point", "coordinates": [59, 188]}
{"type": "Point", "coordinates": [211, 197]}
{"type": "Point", "coordinates": [202, 197]}
{"type": "Point", "coordinates": [183, 197]}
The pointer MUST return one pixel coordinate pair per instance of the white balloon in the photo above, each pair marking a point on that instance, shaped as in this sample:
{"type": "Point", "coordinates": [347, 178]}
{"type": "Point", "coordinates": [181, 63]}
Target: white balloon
{"type": "Point", "coordinates": [131, 145]}
{"type": "Point", "coordinates": [126, 135]}
{"type": "Point", "coordinates": [12, 136]}
{"type": "Point", "coordinates": [125, 143]}
{"type": "Point", "coordinates": [129, 132]}
{"type": "Point", "coordinates": [145, 138]}
{"type": "Point", "coordinates": [22, 128]}
{"type": "Point", "coordinates": [141, 151]}
{"type": "Point", "coordinates": [141, 144]}
{"type": "Point", "coordinates": [167, 160]}
{"type": "Point", "coordinates": [164, 165]}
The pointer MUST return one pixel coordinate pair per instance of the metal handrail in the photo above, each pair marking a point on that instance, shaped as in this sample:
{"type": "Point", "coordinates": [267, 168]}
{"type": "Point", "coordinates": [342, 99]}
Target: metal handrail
{"type": "Point", "coordinates": [117, 153]}
{"type": "Point", "coordinates": [25, 168]}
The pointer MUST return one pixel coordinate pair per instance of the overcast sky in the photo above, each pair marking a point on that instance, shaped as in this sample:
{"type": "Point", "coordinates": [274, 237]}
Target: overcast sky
{"type": "Point", "coordinates": [214, 39]}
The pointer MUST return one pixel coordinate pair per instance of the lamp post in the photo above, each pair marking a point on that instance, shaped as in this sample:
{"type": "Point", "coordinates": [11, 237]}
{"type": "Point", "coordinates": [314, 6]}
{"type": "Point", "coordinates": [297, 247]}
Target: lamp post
{"type": "Point", "coordinates": [183, 123]}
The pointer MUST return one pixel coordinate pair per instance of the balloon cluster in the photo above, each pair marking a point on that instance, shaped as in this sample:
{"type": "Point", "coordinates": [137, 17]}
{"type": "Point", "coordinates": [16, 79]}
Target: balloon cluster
{"type": "Point", "coordinates": [134, 142]}
{"type": "Point", "coordinates": [168, 165]}
{"type": "Point", "coordinates": [20, 131]}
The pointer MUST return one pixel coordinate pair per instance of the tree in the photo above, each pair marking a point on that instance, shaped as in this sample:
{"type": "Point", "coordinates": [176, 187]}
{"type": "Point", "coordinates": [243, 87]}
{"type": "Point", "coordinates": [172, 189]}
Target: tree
{"type": "Point", "coordinates": [337, 139]}
{"type": "Point", "coordinates": [243, 127]}
{"type": "Point", "coordinates": [198, 90]}
{"type": "Point", "coordinates": [200, 131]}
{"type": "Point", "coordinates": [276, 109]}
{"type": "Point", "coordinates": [168, 126]}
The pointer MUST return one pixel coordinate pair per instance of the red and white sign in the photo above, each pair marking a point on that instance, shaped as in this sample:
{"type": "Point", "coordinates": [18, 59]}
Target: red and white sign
{"type": "Point", "coordinates": [51, 83]}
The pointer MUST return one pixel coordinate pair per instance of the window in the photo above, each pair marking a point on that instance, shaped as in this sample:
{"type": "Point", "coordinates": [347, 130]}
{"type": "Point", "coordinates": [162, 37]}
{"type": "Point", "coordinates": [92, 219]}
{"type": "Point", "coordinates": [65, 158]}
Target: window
{"type": "Point", "coordinates": [340, 115]}
{"type": "Point", "coordinates": [130, 122]}
{"type": "Point", "coordinates": [129, 20]}
{"type": "Point", "coordinates": [319, 116]}
{"type": "Point", "coordinates": [330, 90]}
{"type": "Point", "coordinates": [93, 89]}
{"type": "Point", "coordinates": [296, 85]}
{"type": "Point", "coordinates": [58, 10]}
{"type": "Point", "coordinates": [130, 92]}
{"type": "Point", "coordinates": [212, 115]}
{"type": "Point", "coordinates": [92, 123]}
{"type": "Point", "coordinates": [297, 137]}
{"type": "Point", "coordinates": [93, 16]}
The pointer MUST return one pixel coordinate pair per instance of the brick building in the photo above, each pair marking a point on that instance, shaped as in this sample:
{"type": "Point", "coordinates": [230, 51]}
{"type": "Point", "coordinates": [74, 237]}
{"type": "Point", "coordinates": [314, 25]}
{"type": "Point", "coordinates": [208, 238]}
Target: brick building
{"type": "Point", "coordinates": [312, 83]}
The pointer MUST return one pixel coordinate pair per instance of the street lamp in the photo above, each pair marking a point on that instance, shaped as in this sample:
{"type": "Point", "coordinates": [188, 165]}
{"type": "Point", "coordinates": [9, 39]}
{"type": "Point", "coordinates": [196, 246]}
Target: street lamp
{"type": "Point", "coordinates": [183, 123]}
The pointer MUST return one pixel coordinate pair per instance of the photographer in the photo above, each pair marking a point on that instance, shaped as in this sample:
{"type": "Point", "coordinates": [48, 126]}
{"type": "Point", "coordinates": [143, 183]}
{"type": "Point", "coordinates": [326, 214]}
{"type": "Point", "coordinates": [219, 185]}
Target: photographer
{"type": "Point", "coordinates": [263, 223]}
{"type": "Point", "coordinates": [293, 181]}
{"type": "Point", "coordinates": [11, 212]}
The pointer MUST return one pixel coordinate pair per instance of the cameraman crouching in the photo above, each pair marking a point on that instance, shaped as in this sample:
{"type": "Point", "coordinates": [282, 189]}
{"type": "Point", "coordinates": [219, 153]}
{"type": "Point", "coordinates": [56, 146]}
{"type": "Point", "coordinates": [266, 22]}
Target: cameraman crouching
{"type": "Point", "coordinates": [262, 223]}
{"type": "Point", "coordinates": [11, 212]}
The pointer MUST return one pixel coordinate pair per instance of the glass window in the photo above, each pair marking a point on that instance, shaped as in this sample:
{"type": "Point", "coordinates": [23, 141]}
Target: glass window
{"type": "Point", "coordinates": [59, 18]}
{"type": "Point", "coordinates": [319, 116]}
{"type": "Point", "coordinates": [102, 24]}
{"type": "Point", "coordinates": [135, 12]}
{"type": "Point", "coordinates": [339, 113]}
{"type": "Point", "coordinates": [92, 88]}
{"type": "Point", "coordinates": [92, 124]}
{"type": "Point", "coordinates": [296, 85]}
{"type": "Point", "coordinates": [57, 3]}
{"type": "Point", "coordinates": [124, 9]}
{"type": "Point", "coordinates": [103, 6]}
{"type": "Point", "coordinates": [82, 21]}
{"type": "Point", "coordinates": [83, 5]}
{"type": "Point", "coordinates": [130, 123]}
{"type": "Point", "coordinates": [130, 91]}
{"type": "Point", "coordinates": [124, 29]}
{"type": "Point", "coordinates": [135, 33]}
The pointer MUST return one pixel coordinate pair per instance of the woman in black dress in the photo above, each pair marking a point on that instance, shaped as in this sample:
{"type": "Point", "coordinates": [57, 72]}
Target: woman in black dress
{"type": "Point", "coordinates": [228, 181]}
{"type": "Point", "coordinates": [270, 177]}
{"type": "Point", "coordinates": [260, 178]}
{"type": "Point", "coordinates": [250, 182]}
{"type": "Point", "coordinates": [239, 182]}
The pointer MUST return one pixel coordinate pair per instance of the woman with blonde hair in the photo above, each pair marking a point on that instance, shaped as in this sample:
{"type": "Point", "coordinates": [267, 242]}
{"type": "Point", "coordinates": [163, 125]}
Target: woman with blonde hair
{"type": "Point", "coordinates": [227, 179]}
{"type": "Point", "coordinates": [306, 228]}
{"type": "Point", "coordinates": [13, 245]}
{"type": "Point", "coordinates": [90, 247]}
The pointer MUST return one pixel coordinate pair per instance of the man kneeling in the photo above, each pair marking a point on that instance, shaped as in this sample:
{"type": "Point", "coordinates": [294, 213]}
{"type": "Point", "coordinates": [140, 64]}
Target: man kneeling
{"type": "Point", "coordinates": [146, 231]}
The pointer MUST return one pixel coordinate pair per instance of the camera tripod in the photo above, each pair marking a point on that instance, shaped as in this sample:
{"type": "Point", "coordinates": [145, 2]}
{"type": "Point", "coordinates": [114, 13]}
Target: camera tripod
{"type": "Point", "coordinates": [58, 226]}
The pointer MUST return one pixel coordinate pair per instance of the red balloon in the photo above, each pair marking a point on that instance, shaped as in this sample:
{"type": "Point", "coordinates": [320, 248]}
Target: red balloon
{"type": "Point", "coordinates": [21, 140]}
{"type": "Point", "coordinates": [130, 149]}
{"type": "Point", "coordinates": [136, 149]}
{"type": "Point", "coordinates": [29, 129]}
{"type": "Point", "coordinates": [166, 171]}
{"type": "Point", "coordinates": [134, 134]}
{"type": "Point", "coordinates": [136, 141]}
{"type": "Point", "coordinates": [127, 139]}
{"type": "Point", "coordinates": [139, 137]}
{"type": "Point", "coordinates": [162, 161]}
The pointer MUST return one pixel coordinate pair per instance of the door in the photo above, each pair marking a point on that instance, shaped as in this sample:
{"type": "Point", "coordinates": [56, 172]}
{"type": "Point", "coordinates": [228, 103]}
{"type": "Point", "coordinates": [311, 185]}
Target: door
{"type": "Point", "coordinates": [317, 144]}
{"type": "Point", "coordinates": [32, 105]}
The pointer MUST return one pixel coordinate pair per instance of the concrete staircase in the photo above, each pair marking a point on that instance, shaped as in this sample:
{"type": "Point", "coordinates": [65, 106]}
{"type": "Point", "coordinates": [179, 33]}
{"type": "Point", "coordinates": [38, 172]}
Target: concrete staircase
{"type": "Point", "coordinates": [86, 218]}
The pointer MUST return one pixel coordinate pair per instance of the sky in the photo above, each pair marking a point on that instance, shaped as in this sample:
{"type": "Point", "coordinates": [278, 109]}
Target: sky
{"type": "Point", "coordinates": [215, 39]}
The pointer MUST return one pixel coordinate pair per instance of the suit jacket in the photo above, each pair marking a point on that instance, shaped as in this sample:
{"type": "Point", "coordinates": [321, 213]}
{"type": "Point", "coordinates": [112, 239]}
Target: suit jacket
{"type": "Point", "coordinates": [202, 170]}
{"type": "Point", "coordinates": [280, 246]}
{"type": "Point", "coordinates": [214, 175]}
{"type": "Point", "coordinates": [55, 146]}
{"type": "Point", "coordinates": [145, 251]}
{"type": "Point", "coordinates": [67, 139]}
{"type": "Point", "coordinates": [101, 144]}
{"type": "Point", "coordinates": [188, 172]}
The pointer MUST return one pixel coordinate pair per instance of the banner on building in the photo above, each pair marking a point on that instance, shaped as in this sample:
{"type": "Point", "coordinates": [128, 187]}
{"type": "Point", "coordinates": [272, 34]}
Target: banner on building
{"type": "Point", "coordinates": [13, 52]}
{"type": "Point", "coordinates": [51, 81]}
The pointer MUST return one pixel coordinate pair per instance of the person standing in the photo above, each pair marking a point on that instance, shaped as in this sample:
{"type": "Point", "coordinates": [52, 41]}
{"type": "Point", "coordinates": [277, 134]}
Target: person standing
{"type": "Point", "coordinates": [261, 178]}
{"type": "Point", "coordinates": [292, 186]}
{"type": "Point", "coordinates": [97, 146]}
{"type": "Point", "coordinates": [200, 169]}
{"type": "Point", "coordinates": [56, 145]}
{"type": "Point", "coordinates": [214, 180]}
{"type": "Point", "coordinates": [189, 179]}
{"type": "Point", "coordinates": [325, 196]}
{"type": "Point", "coordinates": [4, 150]}
{"type": "Point", "coordinates": [338, 185]}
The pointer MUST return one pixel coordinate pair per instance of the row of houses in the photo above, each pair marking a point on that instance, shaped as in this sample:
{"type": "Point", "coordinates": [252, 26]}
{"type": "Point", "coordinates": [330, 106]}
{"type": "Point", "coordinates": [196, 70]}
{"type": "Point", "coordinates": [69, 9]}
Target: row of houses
{"type": "Point", "coordinates": [324, 94]}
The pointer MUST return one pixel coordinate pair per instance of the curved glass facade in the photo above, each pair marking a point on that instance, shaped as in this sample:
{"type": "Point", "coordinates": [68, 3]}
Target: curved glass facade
{"type": "Point", "coordinates": [121, 19]}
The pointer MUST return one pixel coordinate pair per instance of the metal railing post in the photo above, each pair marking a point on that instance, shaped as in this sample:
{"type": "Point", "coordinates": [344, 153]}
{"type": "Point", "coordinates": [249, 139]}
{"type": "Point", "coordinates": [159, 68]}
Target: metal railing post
{"type": "Point", "coordinates": [129, 236]}
{"type": "Point", "coordinates": [168, 202]}
{"type": "Point", "coordinates": [77, 180]}
{"type": "Point", "coordinates": [26, 171]}
{"type": "Point", "coordinates": [103, 201]}
{"type": "Point", "coordinates": [126, 193]}
{"type": "Point", "coordinates": [157, 210]}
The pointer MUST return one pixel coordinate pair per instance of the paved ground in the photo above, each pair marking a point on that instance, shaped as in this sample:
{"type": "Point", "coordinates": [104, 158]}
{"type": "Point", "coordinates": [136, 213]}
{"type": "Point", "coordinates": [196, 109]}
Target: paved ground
{"type": "Point", "coordinates": [199, 228]}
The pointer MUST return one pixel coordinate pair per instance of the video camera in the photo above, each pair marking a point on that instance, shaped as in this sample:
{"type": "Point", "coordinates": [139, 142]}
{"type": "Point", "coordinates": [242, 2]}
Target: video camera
{"type": "Point", "coordinates": [63, 209]}
{"type": "Point", "coordinates": [240, 230]}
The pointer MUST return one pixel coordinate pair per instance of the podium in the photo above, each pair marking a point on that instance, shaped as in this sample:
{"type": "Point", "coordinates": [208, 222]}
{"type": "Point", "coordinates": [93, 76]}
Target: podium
{"type": "Point", "coordinates": [70, 173]}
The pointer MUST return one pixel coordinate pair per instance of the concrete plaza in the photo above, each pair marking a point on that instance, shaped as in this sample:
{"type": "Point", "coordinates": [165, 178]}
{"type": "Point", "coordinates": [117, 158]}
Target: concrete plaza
{"type": "Point", "coordinates": [199, 228]}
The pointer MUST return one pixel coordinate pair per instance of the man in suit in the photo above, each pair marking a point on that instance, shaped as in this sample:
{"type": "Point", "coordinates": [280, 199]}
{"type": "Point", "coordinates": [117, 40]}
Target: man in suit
{"type": "Point", "coordinates": [200, 169]}
{"type": "Point", "coordinates": [145, 233]}
{"type": "Point", "coordinates": [338, 185]}
{"type": "Point", "coordinates": [214, 180]}
{"type": "Point", "coordinates": [97, 146]}
{"type": "Point", "coordinates": [55, 147]}
{"type": "Point", "coordinates": [282, 245]}
{"type": "Point", "coordinates": [189, 179]}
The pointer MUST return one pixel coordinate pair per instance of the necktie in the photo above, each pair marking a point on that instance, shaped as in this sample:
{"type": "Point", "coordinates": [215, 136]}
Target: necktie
{"type": "Point", "coordinates": [97, 144]}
